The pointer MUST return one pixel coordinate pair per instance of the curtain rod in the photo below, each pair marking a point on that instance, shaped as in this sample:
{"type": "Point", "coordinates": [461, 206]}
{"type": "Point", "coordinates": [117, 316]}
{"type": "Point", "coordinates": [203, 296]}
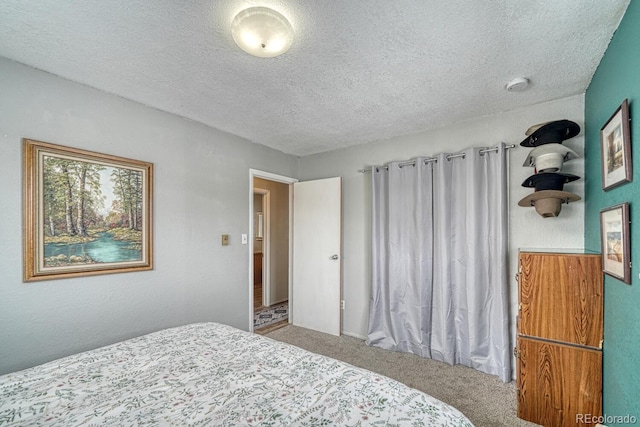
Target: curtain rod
{"type": "Point", "coordinates": [433, 159]}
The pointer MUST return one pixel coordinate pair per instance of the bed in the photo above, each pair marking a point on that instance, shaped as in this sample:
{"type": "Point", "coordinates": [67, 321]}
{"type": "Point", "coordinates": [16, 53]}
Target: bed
{"type": "Point", "coordinates": [208, 374]}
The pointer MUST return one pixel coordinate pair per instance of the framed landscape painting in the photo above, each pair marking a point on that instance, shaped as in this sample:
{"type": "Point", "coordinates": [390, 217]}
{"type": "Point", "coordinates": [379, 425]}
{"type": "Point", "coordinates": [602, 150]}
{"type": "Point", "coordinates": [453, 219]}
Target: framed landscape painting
{"type": "Point", "coordinates": [616, 246]}
{"type": "Point", "coordinates": [615, 140]}
{"type": "Point", "coordinates": [84, 213]}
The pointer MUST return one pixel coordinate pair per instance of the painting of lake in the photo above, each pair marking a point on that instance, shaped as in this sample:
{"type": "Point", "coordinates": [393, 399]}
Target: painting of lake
{"type": "Point", "coordinates": [92, 213]}
{"type": "Point", "coordinates": [84, 213]}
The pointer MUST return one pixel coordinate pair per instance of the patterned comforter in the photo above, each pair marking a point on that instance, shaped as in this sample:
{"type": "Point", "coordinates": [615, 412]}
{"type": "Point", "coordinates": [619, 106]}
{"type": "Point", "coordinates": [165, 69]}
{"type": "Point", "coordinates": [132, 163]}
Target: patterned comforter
{"type": "Point", "coordinates": [207, 374]}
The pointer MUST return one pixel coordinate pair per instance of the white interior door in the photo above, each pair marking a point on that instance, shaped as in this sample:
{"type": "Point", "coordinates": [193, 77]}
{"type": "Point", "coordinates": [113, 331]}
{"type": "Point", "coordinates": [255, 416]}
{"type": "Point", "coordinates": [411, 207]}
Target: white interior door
{"type": "Point", "coordinates": [317, 244]}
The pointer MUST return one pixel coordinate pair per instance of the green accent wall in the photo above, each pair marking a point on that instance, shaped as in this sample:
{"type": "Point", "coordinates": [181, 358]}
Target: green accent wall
{"type": "Point", "coordinates": [617, 78]}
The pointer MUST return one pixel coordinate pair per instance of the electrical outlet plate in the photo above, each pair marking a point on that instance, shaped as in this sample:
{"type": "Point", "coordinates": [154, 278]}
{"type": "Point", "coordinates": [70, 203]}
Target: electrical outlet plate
{"type": "Point", "coordinates": [342, 304]}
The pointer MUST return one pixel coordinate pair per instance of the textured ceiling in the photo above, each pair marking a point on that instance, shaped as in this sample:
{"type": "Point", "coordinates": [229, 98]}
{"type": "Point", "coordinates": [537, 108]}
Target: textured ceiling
{"type": "Point", "coordinates": [358, 70]}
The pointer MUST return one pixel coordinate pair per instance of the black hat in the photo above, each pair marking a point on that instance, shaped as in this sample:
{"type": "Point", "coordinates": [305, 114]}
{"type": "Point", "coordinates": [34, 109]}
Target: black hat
{"type": "Point", "coordinates": [549, 180]}
{"type": "Point", "coordinates": [550, 132]}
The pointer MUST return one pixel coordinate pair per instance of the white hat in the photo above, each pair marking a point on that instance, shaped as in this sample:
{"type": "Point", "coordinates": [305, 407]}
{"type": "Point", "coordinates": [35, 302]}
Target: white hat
{"type": "Point", "coordinates": [534, 128]}
{"type": "Point", "coordinates": [549, 157]}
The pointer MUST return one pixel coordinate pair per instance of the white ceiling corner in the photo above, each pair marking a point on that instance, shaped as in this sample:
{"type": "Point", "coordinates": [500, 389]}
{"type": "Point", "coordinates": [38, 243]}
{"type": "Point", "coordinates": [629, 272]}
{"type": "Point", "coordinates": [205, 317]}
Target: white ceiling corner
{"type": "Point", "coordinates": [358, 70]}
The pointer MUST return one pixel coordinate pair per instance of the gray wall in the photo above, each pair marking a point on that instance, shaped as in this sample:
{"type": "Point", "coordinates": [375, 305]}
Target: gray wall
{"type": "Point", "coordinates": [201, 192]}
{"type": "Point", "coordinates": [527, 229]}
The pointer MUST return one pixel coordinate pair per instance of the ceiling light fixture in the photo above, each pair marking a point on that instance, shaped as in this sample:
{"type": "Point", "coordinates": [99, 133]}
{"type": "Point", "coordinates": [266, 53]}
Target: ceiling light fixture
{"type": "Point", "coordinates": [518, 84]}
{"type": "Point", "coordinates": [262, 32]}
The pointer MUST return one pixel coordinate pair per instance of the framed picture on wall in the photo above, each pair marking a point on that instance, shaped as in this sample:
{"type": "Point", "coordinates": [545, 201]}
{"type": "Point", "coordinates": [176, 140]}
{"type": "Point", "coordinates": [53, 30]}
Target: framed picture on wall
{"type": "Point", "coordinates": [616, 246]}
{"type": "Point", "coordinates": [615, 140]}
{"type": "Point", "coordinates": [84, 213]}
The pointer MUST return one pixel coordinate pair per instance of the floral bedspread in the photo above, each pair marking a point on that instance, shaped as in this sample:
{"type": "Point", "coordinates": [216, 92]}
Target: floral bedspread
{"type": "Point", "coordinates": [207, 374]}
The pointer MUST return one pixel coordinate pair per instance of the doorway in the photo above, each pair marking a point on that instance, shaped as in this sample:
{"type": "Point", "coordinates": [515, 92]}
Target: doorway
{"type": "Point", "coordinates": [314, 277]}
{"type": "Point", "coordinates": [270, 250]}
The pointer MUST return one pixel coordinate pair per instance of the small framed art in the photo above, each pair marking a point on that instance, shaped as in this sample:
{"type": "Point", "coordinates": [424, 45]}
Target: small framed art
{"type": "Point", "coordinates": [84, 213]}
{"type": "Point", "coordinates": [615, 140]}
{"type": "Point", "coordinates": [616, 246]}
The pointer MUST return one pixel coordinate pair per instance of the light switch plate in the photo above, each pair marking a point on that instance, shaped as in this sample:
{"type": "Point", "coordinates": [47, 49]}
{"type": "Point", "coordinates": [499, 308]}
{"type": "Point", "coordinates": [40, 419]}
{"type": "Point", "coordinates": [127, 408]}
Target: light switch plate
{"type": "Point", "coordinates": [225, 240]}
{"type": "Point", "coordinates": [245, 239]}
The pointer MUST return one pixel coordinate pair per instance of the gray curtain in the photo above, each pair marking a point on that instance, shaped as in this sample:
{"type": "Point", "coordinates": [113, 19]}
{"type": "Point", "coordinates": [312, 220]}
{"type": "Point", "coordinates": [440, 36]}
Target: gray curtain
{"type": "Point", "coordinates": [439, 247]}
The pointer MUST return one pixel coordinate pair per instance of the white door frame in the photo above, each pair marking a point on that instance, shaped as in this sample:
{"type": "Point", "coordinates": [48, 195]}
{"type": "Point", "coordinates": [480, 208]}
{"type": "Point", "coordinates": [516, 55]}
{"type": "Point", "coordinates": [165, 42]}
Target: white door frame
{"type": "Point", "coordinates": [256, 173]}
{"type": "Point", "coordinates": [266, 250]}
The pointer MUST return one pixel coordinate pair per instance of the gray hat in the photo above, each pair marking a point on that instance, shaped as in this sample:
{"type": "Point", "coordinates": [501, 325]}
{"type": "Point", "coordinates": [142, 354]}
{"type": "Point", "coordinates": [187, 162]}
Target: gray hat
{"type": "Point", "coordinates": [548, 203]}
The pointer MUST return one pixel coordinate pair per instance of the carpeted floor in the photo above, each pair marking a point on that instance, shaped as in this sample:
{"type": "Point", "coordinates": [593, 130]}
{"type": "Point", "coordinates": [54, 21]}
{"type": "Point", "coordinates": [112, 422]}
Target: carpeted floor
{"type": "Point", "coordinates": [484, 399]}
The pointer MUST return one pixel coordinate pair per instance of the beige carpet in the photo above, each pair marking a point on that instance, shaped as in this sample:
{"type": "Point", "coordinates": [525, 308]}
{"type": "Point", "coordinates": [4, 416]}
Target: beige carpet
{"type": "Point", "coordinates": [484, 399]}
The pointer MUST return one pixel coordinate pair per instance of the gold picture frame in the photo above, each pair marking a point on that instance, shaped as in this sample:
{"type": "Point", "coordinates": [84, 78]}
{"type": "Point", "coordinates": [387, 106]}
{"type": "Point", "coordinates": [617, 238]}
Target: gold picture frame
{"type": "Point", "coordinates": [84, 213]}
{"type": "Point", "coordinates": [616, 246]}
{"type": "Point", "coordinates": [615, 141]}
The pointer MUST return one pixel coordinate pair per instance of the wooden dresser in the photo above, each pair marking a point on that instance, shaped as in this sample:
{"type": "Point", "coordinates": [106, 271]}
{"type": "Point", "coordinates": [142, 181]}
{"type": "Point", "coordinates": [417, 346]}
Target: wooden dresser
{"type": "Point", "coordinates": [560, 333]}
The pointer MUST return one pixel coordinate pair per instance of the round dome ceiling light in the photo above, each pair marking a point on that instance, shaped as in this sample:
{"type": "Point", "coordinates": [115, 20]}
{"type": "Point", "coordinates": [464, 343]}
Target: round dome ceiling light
{"type": "Point", "coordinates": [518, 84]}
{"type": "Point", "coordinates": [262, 32]}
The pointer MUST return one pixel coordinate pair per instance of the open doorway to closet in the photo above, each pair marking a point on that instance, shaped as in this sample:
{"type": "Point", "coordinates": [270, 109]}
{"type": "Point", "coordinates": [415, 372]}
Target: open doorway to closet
{"type": "Point", "coordinates": [271, 243]}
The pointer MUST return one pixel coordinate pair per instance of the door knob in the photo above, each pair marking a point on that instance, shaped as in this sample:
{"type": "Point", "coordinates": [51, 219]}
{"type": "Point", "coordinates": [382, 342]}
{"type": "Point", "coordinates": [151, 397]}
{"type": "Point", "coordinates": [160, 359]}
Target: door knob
{"type": "Point", "coordinates": [334, 257]}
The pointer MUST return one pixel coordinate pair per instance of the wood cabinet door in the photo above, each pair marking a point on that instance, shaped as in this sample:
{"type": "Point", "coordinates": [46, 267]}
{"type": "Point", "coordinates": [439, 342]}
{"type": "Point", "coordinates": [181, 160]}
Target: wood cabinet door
{"type": "Point", "coordinates": [558, 383]}
{"type": "Point", "coordinates": [561, 297]}
{"type": "Point", "coordinates": [257, 268]}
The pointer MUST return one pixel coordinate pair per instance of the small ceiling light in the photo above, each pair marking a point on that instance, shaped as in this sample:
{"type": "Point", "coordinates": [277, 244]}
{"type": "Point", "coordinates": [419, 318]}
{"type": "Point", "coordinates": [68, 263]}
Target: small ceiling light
{"type": "Point", "coordinates": [262, 32]}
{"type": "Point", "coordinates": [517, 85]}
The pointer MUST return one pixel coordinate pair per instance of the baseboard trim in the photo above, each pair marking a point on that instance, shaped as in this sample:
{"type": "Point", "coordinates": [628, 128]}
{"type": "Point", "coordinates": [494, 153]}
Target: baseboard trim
{"type": "Point", "coordinates": [354, 335]}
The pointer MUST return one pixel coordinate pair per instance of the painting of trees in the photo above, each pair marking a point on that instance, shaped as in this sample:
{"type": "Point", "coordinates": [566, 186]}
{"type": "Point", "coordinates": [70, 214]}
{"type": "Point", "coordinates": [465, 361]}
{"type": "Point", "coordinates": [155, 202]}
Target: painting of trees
{"type": "Point", "coordinates": [71, 195]}
{"type": "Point", "coordinates": [128, 204]}
{"type": "Point", "coordinates": [74, 200]}
{"type": "Point", "coordinates": [85, 212]}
